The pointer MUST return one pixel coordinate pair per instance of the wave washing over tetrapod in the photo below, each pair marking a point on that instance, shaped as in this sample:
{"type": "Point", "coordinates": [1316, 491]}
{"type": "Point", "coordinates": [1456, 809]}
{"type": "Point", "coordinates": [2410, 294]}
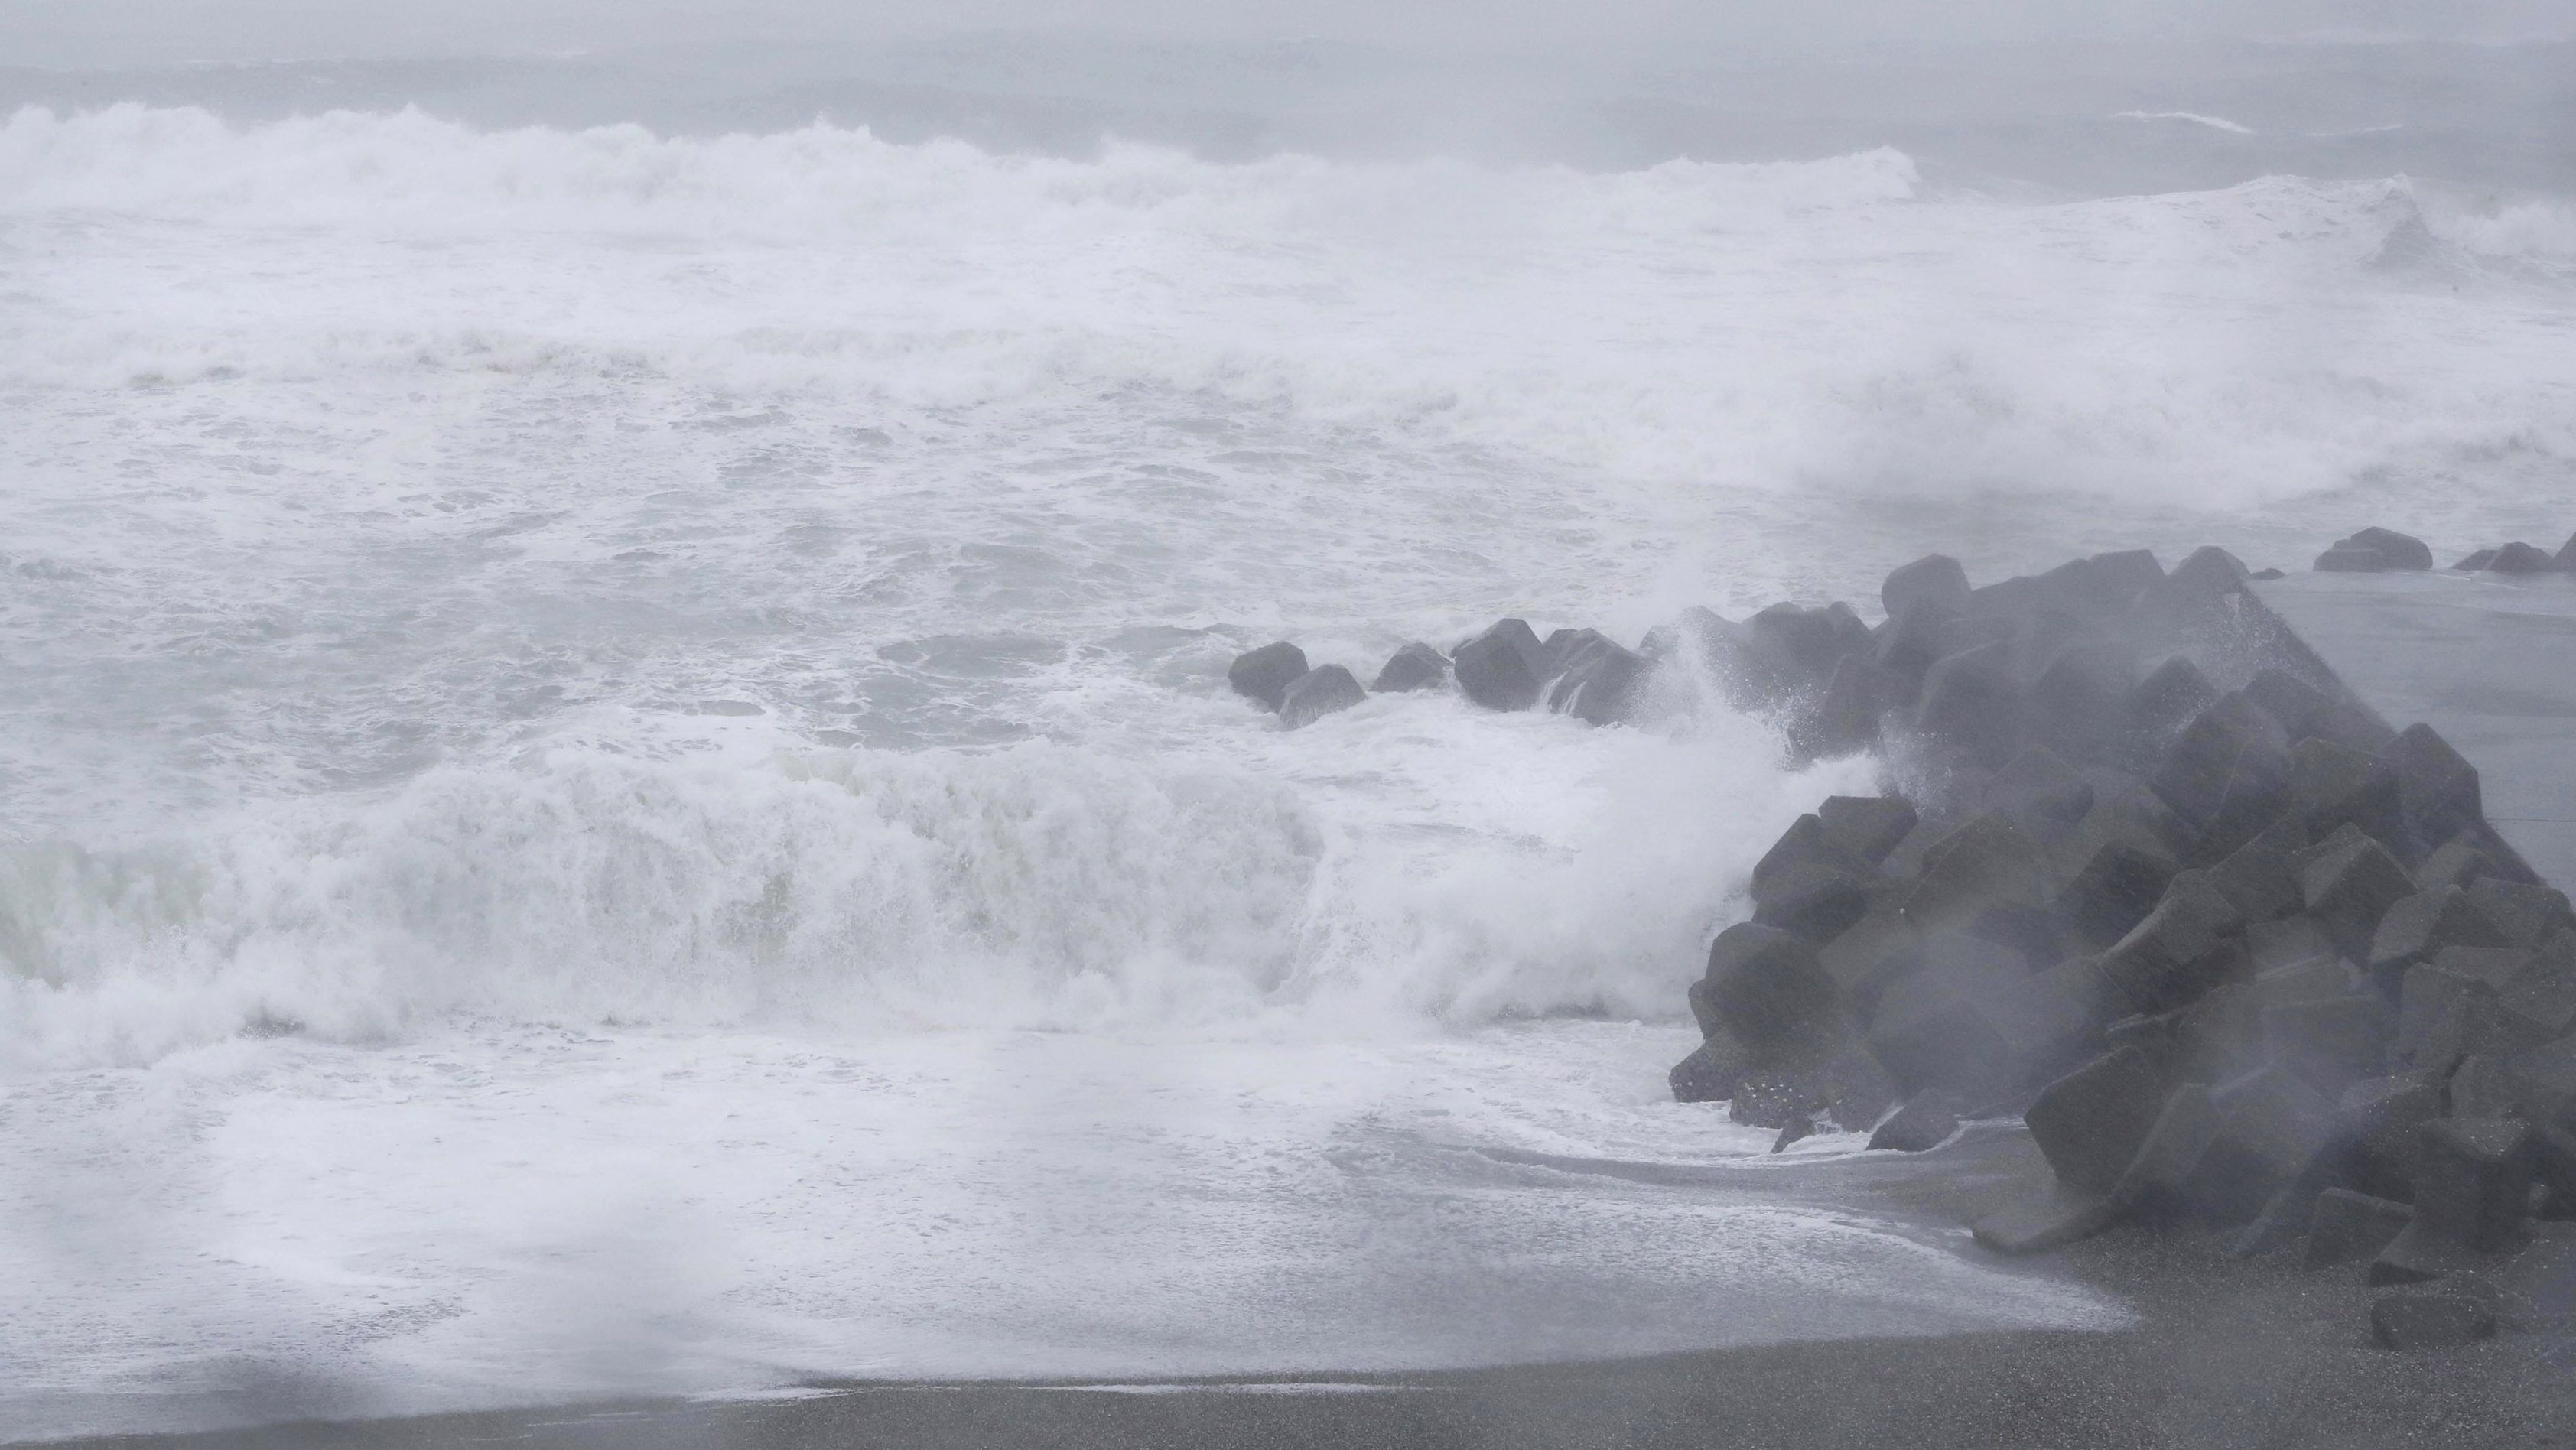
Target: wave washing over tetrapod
{"type": "Point", "coordinates": [618, 773]}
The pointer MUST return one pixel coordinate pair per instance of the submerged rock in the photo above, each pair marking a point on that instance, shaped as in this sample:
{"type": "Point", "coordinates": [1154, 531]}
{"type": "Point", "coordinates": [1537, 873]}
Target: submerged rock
{"type": "Point", "coordinates": [1920, 1126]}
{"type": "Point", "coordinates": [1414, 667]}
{"type": "Point", "coordinates": [1318, 693]}
{"type": "Point", "coordinates": [1503, 668]}
{"type": "Point", "coordinates": [1266, 673]}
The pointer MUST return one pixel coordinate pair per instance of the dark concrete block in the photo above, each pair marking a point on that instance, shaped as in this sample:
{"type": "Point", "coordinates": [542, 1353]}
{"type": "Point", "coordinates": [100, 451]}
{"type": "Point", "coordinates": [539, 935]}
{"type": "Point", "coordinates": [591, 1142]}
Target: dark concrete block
{"type": "Point", "coordinates": [1710, 1073]}
{"type": "Point", "coordinates": [2321, 979]}
{"type": "Point", "coordinates": [1812, 899]}
{"type": "Point", "coordinates": [1904, 648]}
{"type": "Point", "coordinates": [2209, 570]}
{"type": "Point", "coordinates": [2114, 891]}
{"type": "Point", "coordinates": [2420, 1256]}
{"type": "Point", "coordinates": [2231, 757]}
{"type": "Point", "coordinates": [1971, 706]}
{"type": "Point", "coordinates": [2436, 788]}
{"type": "Point", "coordinates": [1770, 993]}
{"type": "Point", "coordinates": [2381, 1118]}
{"type": "Point", "coordinates": [1844, 720]}
{"type": "Point", "coordinates": [1858, 1090]}
{"type": "Point", "coordinates": [2159, 1177]}
{"type": "Point", "coordinates": [1970, 1021]}
{"type": "Point", "coordinates": [1987, 861]}
{"type": "Point", "coordinates": [2418, 927]}
{"type": "Point", "coordinates": [2126, 572]}
{"type": "Point", "coordinates": [1563, 649]}
{"type": "Point", "coordinates": [1600, 684]}
{"type": "Point", "coordinates": [2453, 863]}
{"type": "Point", "coordinates": [1325, 690]}
{"type": "Point", "coordinates": [1704, 1011]}
{"type": "Point", "coordinates": [1935, 581]}
{"type": "Point", "coordinates": [1775, 1097]}
{"type": "Point", "coordinates": [2170, 697]}
{"type": "Point", "coordinates": [2525, 914]}
{"type": "Point", "coordinates": [2503, 861]}
{"type": "Point", "coordinates": [2203, 1041]}
{"type": "Point", "coordinates": [2473, 1181]}
{"type": "Point", "coordinates": [2079, 705]}
{"type": "Point", "coordinates": [2257, 877]}
{"type": "Point", "coordinates": [1923, 1124]}
{"type": "Point", "coordinates": [2536, 1290]}
{"type": "Point", "coordinates": [1867, 828]}
{"type": "Point", "coordinates": [2333, 785]}
{"type": "Point", "coordinates": [2481, 1086]}
{"type": "Point", "coordinates": [2294, 941]}
{"type": "Point", "coordinates": [2182, 949]}
{"type": "Point", "coordinates": [1876, 950]}
{"type": "Point", "coordinates": [1788, 650]}
{"type": "Point", "coordinates": [2045, 1222]}
{"type": "Point", "coordinates": [2038, 786]}
{"type": "Point", "coordinates": [2285, 1217]}
{"type": "Point", "coordinates": [2350, 889]}
{"type": "Point", "coordinates": [2273, 1125]}
{"type": "Point", "coordinates": [2538, 1002]}
{"type": "Point", "coordinates": [1266, 673]}
{"type": "Point", "coordinates": [2332, 1042]}
{"type": "Point", "coordinates": [1806, 842]}
{"type": "Point", "coordinates": [2544, 1082]}
{"type": "Point", "coordinates": [2091, 1122]}
{"type": "Point", "coordinates": [1414, 667]}
{"type": "Point", "coordinates": [2294, 704]}
{"type": "Point", "coordinates": [2447, 1006]}
{"type": "Point", "coordinates": [2133, 817]}
{"type": "Point", "coordinates": [2349, 1227]}
{"type": "Point", "coordinates": [2553, 1162]}
{"type": "Point", "coordinates": [1800, 1126]}
{"type": "Point", "coordinates": [1502, 668]}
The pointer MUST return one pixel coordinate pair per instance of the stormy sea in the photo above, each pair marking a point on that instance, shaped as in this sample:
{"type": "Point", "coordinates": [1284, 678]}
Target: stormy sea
{"type": "Point", "coordinates": [616, 767]}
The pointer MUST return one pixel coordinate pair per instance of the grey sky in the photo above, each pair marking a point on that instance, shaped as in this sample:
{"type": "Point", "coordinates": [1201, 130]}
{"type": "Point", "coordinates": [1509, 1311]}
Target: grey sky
{"type": "Point", "coordinates": [93, 32]}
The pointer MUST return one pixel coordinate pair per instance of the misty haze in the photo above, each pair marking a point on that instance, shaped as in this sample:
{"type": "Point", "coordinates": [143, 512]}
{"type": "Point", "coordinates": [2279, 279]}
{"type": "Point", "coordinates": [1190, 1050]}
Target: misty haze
{"type": "Point", "coordinates": [1130, 723]}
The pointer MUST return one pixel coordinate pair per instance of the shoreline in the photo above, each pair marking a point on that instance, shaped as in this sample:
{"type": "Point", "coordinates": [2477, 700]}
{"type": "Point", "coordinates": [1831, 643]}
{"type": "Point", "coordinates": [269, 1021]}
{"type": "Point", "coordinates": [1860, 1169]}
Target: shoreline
{"type": "Point", "coordinates": [2223, 1351]}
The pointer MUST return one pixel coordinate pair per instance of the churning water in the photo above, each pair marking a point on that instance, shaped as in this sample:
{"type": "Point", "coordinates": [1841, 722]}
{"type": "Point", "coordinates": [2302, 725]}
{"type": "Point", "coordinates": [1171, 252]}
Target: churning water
{"type": "Point", "coordinates": [615, 772]}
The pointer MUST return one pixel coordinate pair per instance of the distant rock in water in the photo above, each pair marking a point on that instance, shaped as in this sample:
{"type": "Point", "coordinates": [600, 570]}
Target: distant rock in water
{"type": "Point", "coordinates": [1318, 693]}
{"type": "Point", "coordinates": [2375, 550]}
{"type": "Point", "coordinates": [1266, 673]}
{"type": "Point", "coordinates": [2520, 558]}
{"type": "Point", "coordinates": [1503, 668]}
{"type": "Point", "coordinates": [1414, 667]}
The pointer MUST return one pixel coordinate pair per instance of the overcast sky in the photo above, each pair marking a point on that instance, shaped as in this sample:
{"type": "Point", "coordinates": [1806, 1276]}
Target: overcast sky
{"type": "Point", "coordinates": [91, 32]}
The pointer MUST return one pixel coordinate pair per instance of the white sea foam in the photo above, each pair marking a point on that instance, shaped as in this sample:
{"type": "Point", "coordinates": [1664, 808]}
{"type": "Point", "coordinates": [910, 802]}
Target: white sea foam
{"type": "Point", "coordinates": [618, 774]}
{"type": "Point", "coordinates": [2214, 123]}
